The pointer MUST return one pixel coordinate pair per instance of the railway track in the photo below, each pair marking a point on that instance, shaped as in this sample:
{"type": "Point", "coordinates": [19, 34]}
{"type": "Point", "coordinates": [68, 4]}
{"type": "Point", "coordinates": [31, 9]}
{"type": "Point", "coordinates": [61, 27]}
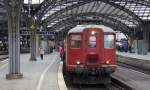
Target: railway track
{"type": "Point", "coordinates": [87, 87]}
{"type": "Point", "coordinates": [115, 85]}
{"type": "Point", "coordinates": [112, 86]}
{"type": "Point", "coordinates": [132, 66]}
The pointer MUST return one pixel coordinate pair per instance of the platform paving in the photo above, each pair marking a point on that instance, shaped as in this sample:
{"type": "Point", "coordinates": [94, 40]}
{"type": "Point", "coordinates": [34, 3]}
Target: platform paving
{"type": "Point", "coordinates": [134, 79]}
{"type": "Point", "coordinates": [2, 57]}
{"type": "Point", "coordinates": [37, 75]}
{"type": "Point", "coordinates": [134, 55]}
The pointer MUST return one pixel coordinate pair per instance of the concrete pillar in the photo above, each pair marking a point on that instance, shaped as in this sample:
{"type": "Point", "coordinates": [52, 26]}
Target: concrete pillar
{"type": "Point", "coordinates": [145, 42]}
{"type": "Point", "coordinates": [148, 37]}
{"type": "Point", "coordinates": [47, 45]}
{"type": "Point", "coordinates": [145, 37]}
{"type": "Point", "coordinates": [139, 46]}
{"type": "Point", "coordinates": [37, 45]}
{"type": "Point", "coordinates": [56, 39]}
{"type": "Point", "coordinates": [149, 41]}
{"type": "Point", "coordinates": [13, 11]}
{"type": "Point", "coordinates": [134, 46]}
{"type": "Point", "coordinates": [33, 45]}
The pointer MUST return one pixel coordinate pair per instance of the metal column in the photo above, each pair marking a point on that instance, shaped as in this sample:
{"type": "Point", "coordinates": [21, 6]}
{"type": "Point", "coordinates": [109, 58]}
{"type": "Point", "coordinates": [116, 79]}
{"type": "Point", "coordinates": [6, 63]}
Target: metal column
{"type": "Point", "coordinates": [33, 42]}
{"type": "Point", "coordinates": [37, 45]}
{"type": "Point", "coordinates": [145, 41]}
{"type": "Point", "coordinates": [13, 11]}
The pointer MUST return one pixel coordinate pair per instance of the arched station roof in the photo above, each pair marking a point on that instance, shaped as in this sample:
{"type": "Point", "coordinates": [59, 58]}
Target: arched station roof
{"type": "Point", "coordinates": [57, 15]}
{"type": "Point", "coordinates": [119, 14]}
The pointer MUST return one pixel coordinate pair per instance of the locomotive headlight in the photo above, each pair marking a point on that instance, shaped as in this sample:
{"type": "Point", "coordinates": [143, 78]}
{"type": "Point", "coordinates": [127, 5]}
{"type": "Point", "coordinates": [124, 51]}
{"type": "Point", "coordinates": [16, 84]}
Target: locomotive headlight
{"type": "Point", "coordinates": [107, 62]}
{"type": "Point", "coordinates": [93, 32]}
{"type": "Point", "coordinates": [78, 62]}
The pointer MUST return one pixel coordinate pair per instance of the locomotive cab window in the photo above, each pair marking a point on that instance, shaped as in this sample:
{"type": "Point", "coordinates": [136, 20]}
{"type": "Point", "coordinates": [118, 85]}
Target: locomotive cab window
{"type": "Point", "coordinates": [108, 41]}
{"type": "Point", "coordinates": [75, 41]}
{"type": "Point", "coordinates": [92, 41]}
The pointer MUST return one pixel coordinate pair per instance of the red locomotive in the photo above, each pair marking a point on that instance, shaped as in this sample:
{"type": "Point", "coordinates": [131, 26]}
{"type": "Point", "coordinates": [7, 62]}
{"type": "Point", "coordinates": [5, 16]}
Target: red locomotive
{"type": "Point", "coordinates": [90, 54]}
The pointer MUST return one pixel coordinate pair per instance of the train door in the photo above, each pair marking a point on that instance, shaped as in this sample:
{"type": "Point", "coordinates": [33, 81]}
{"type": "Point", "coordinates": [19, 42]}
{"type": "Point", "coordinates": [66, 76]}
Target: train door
{"type": "Point", "coordinates": [75, 51]}
{"type": "Point", "coordinates": [93, 47]}
{"type": "Point", "coordinates": [109, 48]}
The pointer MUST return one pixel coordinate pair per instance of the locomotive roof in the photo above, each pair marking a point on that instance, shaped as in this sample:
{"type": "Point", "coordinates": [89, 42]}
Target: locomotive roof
{"type": "Point", "coordinates": [80, 28]}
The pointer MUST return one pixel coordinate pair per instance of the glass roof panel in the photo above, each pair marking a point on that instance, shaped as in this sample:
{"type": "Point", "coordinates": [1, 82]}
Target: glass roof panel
{"type": "Point", "coordinates": [142, 11]}
{"type": "Point", "coordinates": [103, 8]}
{"type": "Point", "coordinates": [57, 8]}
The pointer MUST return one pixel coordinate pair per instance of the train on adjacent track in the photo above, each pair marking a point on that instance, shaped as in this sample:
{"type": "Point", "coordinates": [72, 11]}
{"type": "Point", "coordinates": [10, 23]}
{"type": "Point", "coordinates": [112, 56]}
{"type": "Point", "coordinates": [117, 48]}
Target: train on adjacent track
{"type": "Point", "coordinates": [90, 54]}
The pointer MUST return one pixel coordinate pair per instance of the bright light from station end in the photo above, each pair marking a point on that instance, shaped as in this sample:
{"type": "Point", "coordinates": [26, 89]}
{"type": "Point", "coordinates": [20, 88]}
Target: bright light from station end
{"type": "Point", "coordinates": [35, 17]}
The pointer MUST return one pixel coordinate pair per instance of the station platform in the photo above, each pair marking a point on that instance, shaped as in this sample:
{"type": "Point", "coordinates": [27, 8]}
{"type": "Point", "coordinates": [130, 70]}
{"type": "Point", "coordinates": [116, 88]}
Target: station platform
{"type": "Point", "coordinates": [132, 78]}
{"type": "Point", "coordinates": [138, 80]}
{"type": "Point", "coordinates": [37, 75]}
{"type": "Point", "coordinates": [134, 55]}
{"type": "Point", "coordinates": [2, 57]}
{"type": "Point", "coordinates": [134, 60]}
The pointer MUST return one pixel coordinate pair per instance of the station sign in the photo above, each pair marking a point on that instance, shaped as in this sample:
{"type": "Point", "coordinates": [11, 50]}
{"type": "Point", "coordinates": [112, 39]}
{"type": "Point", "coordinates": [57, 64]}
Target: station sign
{"type": "Point", "coordinates": [38, 32]}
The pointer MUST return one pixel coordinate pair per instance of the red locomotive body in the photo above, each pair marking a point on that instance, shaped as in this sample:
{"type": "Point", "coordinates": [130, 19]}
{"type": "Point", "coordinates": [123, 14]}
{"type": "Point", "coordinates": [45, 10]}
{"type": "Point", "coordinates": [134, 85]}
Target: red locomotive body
{"type": "Point", "coordinates": [90, 54]}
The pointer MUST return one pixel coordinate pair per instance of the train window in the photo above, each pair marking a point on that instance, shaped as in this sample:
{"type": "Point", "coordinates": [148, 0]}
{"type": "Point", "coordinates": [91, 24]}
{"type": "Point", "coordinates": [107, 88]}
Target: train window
{"type": "Point", "coordinates": [75, 41]}
{"type": "Point", "coordinates": [92, 41]}
{"type": "Point", "coordinates": [109, 41]}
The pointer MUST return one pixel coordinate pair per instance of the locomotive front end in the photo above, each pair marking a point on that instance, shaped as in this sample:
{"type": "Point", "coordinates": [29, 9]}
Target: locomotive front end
{"type": "Point", "coordinates": [91, 55]}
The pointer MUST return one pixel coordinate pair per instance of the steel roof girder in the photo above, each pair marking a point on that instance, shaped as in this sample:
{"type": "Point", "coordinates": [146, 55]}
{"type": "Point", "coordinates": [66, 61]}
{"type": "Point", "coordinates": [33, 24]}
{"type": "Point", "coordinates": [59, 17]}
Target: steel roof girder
{"type": "Point", "coordinates": [142, 2]}
{"type": "Point", "coordinates": [63, 10]}
{"type": "Point", "coordinates": [73, 25]}
{"type": "Point", "coordinates": [112, 16]}
{"type": "Point", "coordinates": [121, 24]}
{"type": "Point", "coordinates": [46, 4]}
{"type": "Point", "coordinates": [124, 9]}
{"type": "Point", "coordinates": [54, 5]}
{"type": "Point", "coordinates": [63, 23]}
{"type": "Point", "coordinates": [53, 16]}
{"type": "Point", "coordinates": [84, 14]}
